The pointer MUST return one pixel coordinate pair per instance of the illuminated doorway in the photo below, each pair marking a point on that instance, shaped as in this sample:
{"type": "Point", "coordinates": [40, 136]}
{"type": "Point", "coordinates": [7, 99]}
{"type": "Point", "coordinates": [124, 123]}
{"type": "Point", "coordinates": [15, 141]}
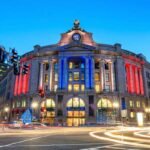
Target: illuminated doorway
{"type": "Point", "coordinates": [75, 112]}
{"type": "Point", "coordinates": [105, 111]}
{"type": "Point", "coordinates": [48, 111]}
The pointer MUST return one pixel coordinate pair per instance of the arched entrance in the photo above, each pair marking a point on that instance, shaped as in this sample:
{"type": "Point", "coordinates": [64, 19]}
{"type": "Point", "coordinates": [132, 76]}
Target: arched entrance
{"type": "Point", "coordinates": [48, 111]}
{"type": "Point", "coordinates": [75, 112]}
{"type": "Point", "coordinates": [104, 111]}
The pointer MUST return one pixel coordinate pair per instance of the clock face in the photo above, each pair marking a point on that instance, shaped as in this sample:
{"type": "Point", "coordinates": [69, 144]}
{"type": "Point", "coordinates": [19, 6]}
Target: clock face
{"type": "Point", "coordinates": [76, 37]}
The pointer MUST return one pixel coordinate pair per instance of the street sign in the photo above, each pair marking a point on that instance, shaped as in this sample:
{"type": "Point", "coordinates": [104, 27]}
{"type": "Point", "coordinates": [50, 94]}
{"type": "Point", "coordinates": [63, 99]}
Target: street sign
{"type": "Point", "coordinates": [27, 116]}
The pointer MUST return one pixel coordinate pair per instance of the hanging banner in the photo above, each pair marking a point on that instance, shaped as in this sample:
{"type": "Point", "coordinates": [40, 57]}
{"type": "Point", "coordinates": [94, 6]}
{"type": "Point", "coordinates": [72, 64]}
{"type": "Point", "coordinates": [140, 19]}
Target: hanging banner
{"type": "Point", "coordinates": [27, 116]}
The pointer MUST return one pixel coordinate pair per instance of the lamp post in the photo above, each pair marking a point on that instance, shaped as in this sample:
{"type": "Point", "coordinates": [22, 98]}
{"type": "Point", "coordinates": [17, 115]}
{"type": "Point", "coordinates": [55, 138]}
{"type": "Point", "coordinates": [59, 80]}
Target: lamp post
{"type": "Point", "coordinates": [116, 106]}
{"type": "Point", "coordinates": [34, 106]}
{"type": "Point", "coordinates": [6, 110]}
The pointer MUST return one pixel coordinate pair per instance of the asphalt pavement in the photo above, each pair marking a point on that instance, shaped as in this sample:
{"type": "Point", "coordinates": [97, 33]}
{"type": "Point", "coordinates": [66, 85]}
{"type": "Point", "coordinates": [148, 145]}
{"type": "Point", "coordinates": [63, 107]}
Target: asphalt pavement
{"type": "Point", "coordinates": [60, 139]}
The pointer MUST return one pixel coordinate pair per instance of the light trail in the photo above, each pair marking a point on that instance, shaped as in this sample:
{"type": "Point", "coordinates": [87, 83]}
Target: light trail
{"type": "Point", "coordinates": [123, 139]}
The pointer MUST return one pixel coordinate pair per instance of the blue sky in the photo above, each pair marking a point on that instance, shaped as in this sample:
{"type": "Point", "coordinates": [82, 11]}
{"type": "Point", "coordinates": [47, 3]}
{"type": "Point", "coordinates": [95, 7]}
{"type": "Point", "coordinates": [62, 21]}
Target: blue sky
{"type": "Point", "coordinates": [25, 23]}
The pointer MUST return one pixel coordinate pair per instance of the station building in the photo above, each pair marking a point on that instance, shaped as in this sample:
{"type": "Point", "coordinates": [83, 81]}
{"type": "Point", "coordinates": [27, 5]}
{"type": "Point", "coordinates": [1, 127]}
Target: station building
{"type": "Point", "coordinates": [83, 82]}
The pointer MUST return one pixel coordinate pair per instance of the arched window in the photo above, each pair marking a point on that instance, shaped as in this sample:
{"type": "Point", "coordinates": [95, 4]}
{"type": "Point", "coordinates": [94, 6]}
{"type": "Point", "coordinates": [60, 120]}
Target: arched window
{"type": "Point", "coordinates": [104, 103]}
{"type": "Point", "coordinates": [76, 102]}
{"type": "Point", "coordinates": [50, 103]}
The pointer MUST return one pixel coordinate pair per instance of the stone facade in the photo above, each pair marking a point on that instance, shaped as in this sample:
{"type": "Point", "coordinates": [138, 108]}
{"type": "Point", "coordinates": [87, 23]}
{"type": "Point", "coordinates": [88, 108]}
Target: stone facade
{"type": "Point", "coordinates": [83, 82]}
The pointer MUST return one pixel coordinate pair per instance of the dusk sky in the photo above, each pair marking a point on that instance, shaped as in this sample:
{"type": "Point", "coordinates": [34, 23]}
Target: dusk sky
{"type": "Point", "coordinates": [25, 23]}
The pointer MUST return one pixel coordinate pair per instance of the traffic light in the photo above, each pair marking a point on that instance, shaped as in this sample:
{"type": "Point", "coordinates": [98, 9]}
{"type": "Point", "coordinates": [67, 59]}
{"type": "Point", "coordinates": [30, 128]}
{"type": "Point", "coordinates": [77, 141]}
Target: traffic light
{"type": "Point", "coordinates": [14, 57]}
{"type": "Point", "coordinates": [16, 69]}
{"type": "Point", "coordinates": [25, 69]}
{"type": "Point", "coordinates": [41, 93]}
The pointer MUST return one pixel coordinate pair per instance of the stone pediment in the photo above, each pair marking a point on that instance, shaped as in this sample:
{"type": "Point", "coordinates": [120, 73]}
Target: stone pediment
{"type": "Point", "coordinates": [77, 47]}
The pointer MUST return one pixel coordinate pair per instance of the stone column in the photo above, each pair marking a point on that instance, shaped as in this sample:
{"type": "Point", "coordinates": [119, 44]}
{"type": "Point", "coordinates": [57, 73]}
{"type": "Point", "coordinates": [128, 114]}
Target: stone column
{"type": "Point", "coordinates": [102, 74]}
{"type": "Point", "coordinates": [112, 76]}
{"type": "Point", "coordinates": [87, 73]}
{"type": "Point", "coordinates": [50, 75]}
{"type": "Point", "coordinates": [41, 75]}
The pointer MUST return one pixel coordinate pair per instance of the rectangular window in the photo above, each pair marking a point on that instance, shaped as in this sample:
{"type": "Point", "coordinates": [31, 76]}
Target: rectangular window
{"type": "Point", "coordinates": [131, 103]}
{"type": "Point", "coordinates": [55, 87]}
{"type": "Point", "coordinates": [91, 99]}
{"type": "Point", "coordinates": [138, 104]}
{"type": "Point", "coordinates": [70, 65]}
{"type": "Point", "coordinates": [46, 66]}
{"type": "Point", "coordinates": [18, 104]}
{"type": "Point", "coordinates": [132, 114]}
{"type": "Point", "coordinates": [82, 87]}
{"type": "Point", "coordinates": [23, 103]}
{"type": "Point", "coordinates": [46, 78]}
{"type": "Point", "coordinates": [97, 87]}
{"type": "Point", "coordinates": [76, 76]}
{"type": "Point", "coordinates": [107, 77]}
{"type": "Point", "coordinates": [76, 87]}
{"type": "Point", "coordinates": [107, 87]}
{"type": "Point", "coordinates": [56, 76]}
{"type": "Point", "coordinates": [70, 76]}
{"type": "Point", "coordinates": [148, 84]}
{"type": "Point", "coordinates": [106, 66]}
{"type": "Point", "coordinates": [82, 75]}
{"type": "Point", "coordinates": [97, 77]}
{"type": "Point", "coordinates": [97, 66]}
{"type": "Point", "coordinates": [69, 87]}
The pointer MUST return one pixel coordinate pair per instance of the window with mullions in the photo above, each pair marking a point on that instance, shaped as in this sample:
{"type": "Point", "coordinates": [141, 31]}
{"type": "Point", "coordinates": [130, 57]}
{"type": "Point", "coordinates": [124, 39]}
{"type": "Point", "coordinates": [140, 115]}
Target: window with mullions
{"type": "Point", "coordinates": [107, 77]}
{"type": "Point", "coordinates": [82, 75]}
{"type": "Point", "coordinates": [97, 77]}
{"type": "Point", "coordinates": [46, 78]}
{"type": "Point", "coordinates": [76, 76]}
{"type": "Point", "coordinates": [46, 66]}
{"type": "Point", "coordinates": [70, 76]}
{"type": "Point", "coordinates": [106, 66]}
{"type": "Point", "coordinates": [97, 66]}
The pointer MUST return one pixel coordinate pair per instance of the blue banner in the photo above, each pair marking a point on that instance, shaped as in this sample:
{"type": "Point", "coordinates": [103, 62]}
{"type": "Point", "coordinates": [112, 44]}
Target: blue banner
{"type": "Point", "coordinates": [27, 116]}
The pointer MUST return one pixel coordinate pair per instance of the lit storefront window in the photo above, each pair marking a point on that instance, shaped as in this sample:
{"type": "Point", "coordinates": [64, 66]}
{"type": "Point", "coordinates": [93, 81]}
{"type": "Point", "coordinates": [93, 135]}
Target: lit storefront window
{"type": "Point", "coordinates": [76, 76]}
{"type": "Point", "coordinates": [76, 87]}
{"type": "Point", "coordinates": [97, 77]}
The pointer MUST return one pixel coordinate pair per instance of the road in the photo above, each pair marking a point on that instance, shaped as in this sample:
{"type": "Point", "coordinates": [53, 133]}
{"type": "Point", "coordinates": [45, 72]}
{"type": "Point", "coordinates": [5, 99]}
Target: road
{"type": "Point", "coordinates": [83, 138]}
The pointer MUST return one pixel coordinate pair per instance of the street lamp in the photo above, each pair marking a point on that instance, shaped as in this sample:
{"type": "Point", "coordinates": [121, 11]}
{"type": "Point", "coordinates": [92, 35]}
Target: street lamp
{"type": "Point", "coordinates": [6, 110]}
{"type": "Point", "coordinates": [116, 106]}
{"type": "Point", "coordinates": [34, 106]}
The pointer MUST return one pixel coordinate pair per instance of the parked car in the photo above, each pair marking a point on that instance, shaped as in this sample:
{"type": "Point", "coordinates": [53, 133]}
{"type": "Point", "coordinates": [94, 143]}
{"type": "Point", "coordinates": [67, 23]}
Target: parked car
{"type": "Point", "coordinates": [15, 124]}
